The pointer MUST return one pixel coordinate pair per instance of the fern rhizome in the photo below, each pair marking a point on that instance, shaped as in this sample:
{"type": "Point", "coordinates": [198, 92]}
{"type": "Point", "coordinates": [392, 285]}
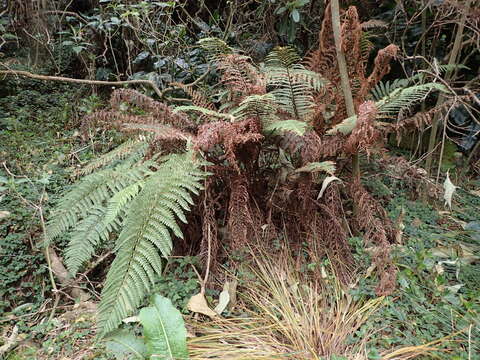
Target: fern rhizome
{"type": "Point", "coordinates": [222, 174]}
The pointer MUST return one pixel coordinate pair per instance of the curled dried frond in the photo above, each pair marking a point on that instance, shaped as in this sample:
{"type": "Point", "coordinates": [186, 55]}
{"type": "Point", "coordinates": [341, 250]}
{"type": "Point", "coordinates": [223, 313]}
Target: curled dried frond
{"type": "Point", "coordinates": [324, 59]}
{"type": "Point", "coordinates": [381, 67]}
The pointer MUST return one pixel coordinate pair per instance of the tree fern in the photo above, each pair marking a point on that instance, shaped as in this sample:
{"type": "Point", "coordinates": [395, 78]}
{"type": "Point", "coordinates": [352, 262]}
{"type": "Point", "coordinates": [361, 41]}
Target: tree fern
{"type": "Point", "coordinates": [149, 227]}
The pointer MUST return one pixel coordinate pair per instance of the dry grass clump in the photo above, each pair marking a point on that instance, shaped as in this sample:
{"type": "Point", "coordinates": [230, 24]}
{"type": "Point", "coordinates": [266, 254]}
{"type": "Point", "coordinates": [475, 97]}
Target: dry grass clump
{"type": "Point", "coordinates": [289, 315]}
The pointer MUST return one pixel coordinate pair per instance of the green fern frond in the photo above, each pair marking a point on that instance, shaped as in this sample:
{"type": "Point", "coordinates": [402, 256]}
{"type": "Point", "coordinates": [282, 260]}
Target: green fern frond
{"type": "Point", "coordinates": [398, 100]}
{"type": "Point", "coordinates": [326, 166]}
{"type": "Point", "coordinates": [279, 127]}
{"type": "Point", "coordinates": [92, 191]}
{"type": "Point", "coordinates": [88, 234]}
{"type": "Point", "coordinates": [261, 106]}
{"type": "Point", "coordinates": [97, 227]}
{"type": "Point", "coordinates": [215, 47]}
{"type": "Point", "coordinates": [135, 148]}
{"type": "Point", "coordinates": [293, 85]}
{"type": "Point", "coordinates": [147, 234]}
{"type": "Point", "coordinates": [401, 99]}
{"type": "Point", "coordinates": [384, 89]}
{"type": "Point", "coordinates": [345, 127]}
{"type": "Point", "coordinates": [283, 56]}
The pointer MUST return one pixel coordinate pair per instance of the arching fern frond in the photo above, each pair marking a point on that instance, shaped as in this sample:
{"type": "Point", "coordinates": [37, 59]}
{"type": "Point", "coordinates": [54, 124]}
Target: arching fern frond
{"type": "Point", "coordinates": [215, 47]}
{"type": "Point", "coordinates": [398, 100]}
{"type": "Point", "coordinates": [134, 148]}
{"type": "Point", "coordinates": [261, 106]}
{"type": "Point", "coordinates": [92, 191]}
{"type": "Point", "coordinates": [292, 84]}
{"type": "Point", "coordinates": [401, 99]}
{"type": "Point", "coordinates": [88, 234]}
{"type": "Point", "coordinates": [147, 234]}
{"type": "Point", "coordinates": [97, 227]}
{"type": "Point", "coordinates": [279, 127]}
{"type": "Point", "coordinates": [384, 89]}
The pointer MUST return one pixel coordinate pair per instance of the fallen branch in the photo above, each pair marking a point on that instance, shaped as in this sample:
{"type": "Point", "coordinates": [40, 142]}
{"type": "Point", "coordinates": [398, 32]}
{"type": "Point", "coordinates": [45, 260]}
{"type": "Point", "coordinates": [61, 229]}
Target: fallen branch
{"type": "Point", "coordinates": [82, 81]}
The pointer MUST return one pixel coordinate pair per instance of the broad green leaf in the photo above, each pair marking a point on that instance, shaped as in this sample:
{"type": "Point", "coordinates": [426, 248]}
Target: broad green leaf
{"type": "Point", "coordinates": [164, 330]}
{"type": "Point", "coordinates": [126, 346]}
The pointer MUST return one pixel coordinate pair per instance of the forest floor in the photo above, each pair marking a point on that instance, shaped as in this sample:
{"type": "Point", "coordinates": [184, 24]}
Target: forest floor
{"type": "Point", "coordinates": [434, 313]}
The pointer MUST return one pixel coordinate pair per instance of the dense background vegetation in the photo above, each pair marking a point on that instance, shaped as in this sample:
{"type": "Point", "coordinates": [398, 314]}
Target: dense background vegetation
{"type": "Point", "coordinates": [238, 111]}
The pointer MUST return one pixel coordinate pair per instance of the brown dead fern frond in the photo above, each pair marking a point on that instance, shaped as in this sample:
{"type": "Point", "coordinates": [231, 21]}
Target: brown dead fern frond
{"type": "Point", "coordinates": [324, 59]}
{"type": "Point", "coordinates": [160, 131]}
{"type": "Point", "coordinates": [239, 216]}
{"type": "Point", "coordinates": [372, 219]}
{"type": "Point", "coordinates": [317, 147]}
{"type": "Point", "coordinates": [210, 244]}
{"type": "Point", "coordinates": [240, 77]}
{"type": "Point", "coordinates": [365, 135]}
{"type": "Point", "coordinates": [123, 100]}
{"type": "Point", "coordinates": [198, 98]}
{"type": "Point", "coordinates": [231, 135]}
{"type": "Point", "coordinates": [351, 34]}
{"type": "Point", "coordinates": [381, 67]}
{"type": "Point", "coordinates": [333, 234]}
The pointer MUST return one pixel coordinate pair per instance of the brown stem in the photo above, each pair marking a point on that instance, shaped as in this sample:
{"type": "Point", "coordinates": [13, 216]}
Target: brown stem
{"type": "Point", "coordinates": [344, 80]}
